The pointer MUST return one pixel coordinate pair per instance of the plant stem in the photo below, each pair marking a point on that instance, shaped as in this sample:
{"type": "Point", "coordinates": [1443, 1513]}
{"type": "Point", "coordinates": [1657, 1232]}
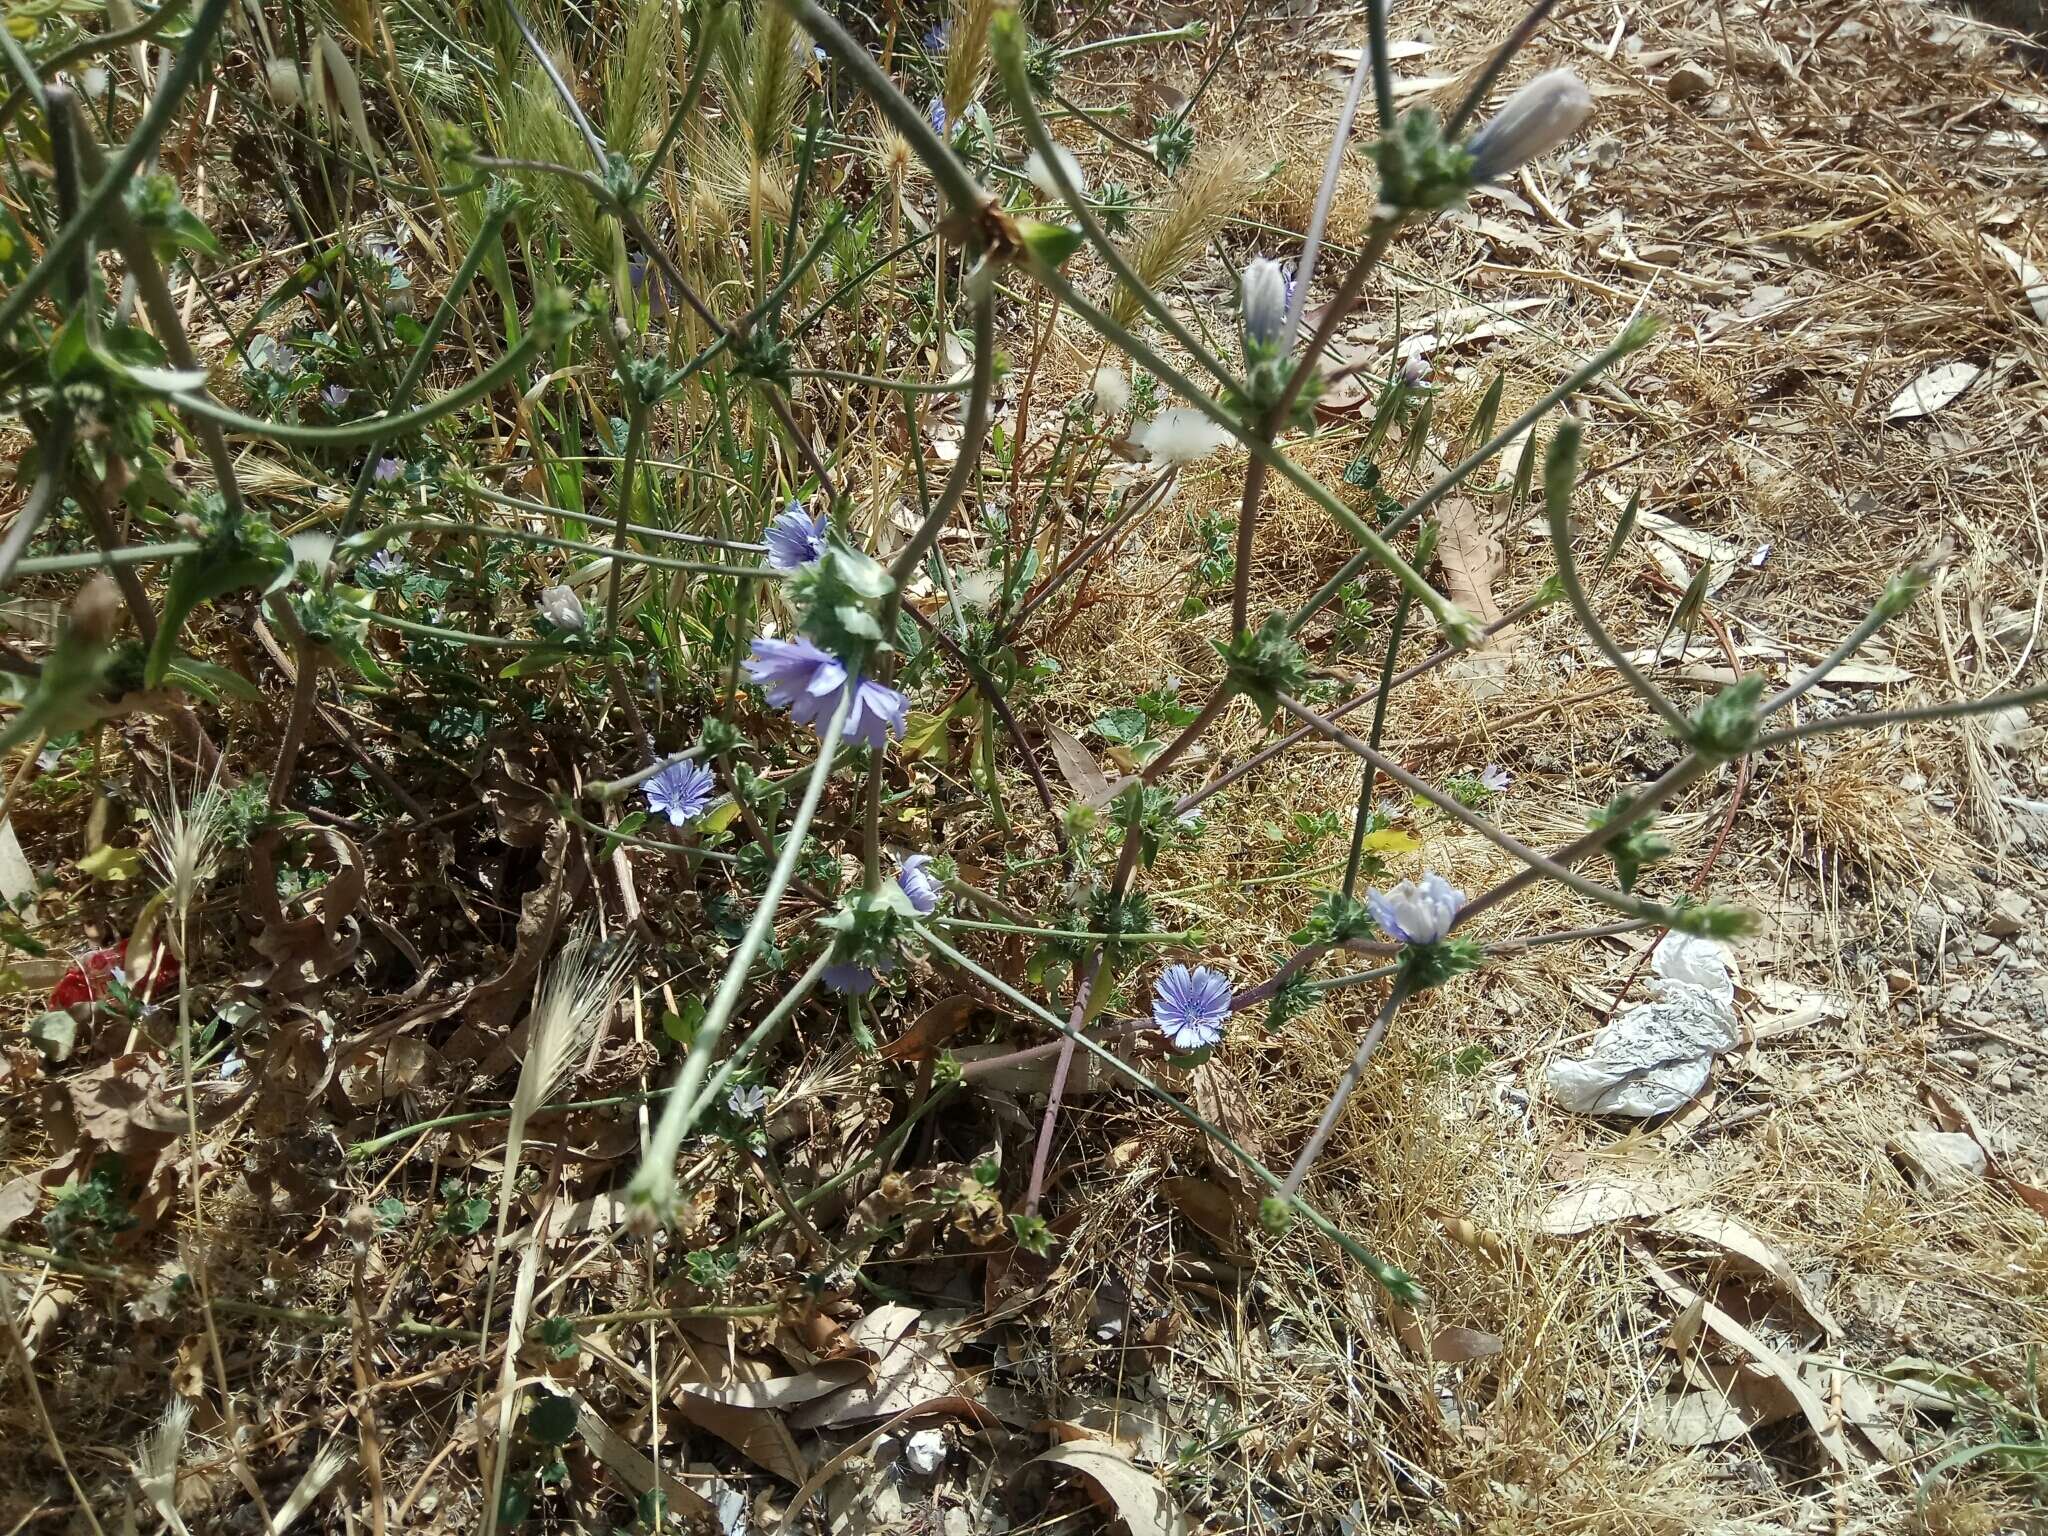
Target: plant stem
{"type": "Point", "coordinates": [653, 1187]}
{"type": "Point", "coordinates": [1368, 1047]}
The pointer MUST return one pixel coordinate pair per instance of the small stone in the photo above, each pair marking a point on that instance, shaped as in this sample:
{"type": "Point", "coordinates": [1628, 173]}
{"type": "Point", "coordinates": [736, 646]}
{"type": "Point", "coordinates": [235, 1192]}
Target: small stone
{"type": "Point", "coordinates": [1899, 982]}
{"type": "Point", "coordinates": [2007, 914]}
{"type": "Point", "coordinates": [1963, 1061]}
{"type": "Point", "coordinates": [1689, 82]}
{"type": "Point", "coordinates": [1984, 944]}
{"type": "Point", "coordinates": [1938, 1158]}
{"type": "Point", "coordinates": [2002, 1081]}
{"type": "Point", "coordinates": [1929, 924]}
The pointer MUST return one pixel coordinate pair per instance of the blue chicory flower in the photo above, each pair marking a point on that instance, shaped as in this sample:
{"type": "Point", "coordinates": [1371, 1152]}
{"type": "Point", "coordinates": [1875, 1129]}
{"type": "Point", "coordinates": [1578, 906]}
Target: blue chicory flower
{"type": "Point", "coordinates": [808, 682]}
{"type": "Point", "coordinates": [920, 884]}
{"type": "Point", "coordinates": [1417, 911]}
{"type": "Point", "coordinates": [747, 1100]}
{"type": "Point", "coordinates": [1495, 778]}
{"type": "Point", "coordinates": [1191, 1006]}
{"type": "Point", "coordinates": [387, 563]}
{"type": "Point", "coordinates": [680, 792]}
{"type": "Point", "coordinates": [795, 538]}
{"type": "Point", "coordinates": [334, 396]}
{"type": "Point", "coordinates": [936, 115]}
{"type": "Point", "coordinates": [388, 469]}
{"type": "Point", "coordinates": [856, 980]}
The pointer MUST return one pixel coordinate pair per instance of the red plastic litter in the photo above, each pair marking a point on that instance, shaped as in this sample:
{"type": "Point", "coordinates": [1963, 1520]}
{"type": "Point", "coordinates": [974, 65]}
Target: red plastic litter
{"type": "Point", "coordinates": [88, 980]}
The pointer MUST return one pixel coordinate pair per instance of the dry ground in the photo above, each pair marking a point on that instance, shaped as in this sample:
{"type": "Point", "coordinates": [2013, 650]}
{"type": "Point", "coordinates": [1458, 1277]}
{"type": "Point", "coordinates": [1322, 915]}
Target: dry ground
{"type": "Point", "coordinates": [1825, 203]}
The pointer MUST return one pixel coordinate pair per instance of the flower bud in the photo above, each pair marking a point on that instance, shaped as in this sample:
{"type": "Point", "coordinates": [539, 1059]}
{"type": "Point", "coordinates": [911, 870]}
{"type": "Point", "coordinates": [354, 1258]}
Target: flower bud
{"type": "Point", "coordinates": [1537, 118]}
{"type": "Point", "coordinates": [1265, 303]}
{"type": "Point", "coordinates": [561, 607]}
{"type": "Point", "coordinates": [285, 82]}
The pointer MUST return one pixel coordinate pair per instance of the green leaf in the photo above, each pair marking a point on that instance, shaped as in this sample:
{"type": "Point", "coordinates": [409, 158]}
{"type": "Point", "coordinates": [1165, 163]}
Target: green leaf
{"type": "Point", "coordinates": [558, 1337]}
{"type": "Point", "coordinates": [109, 863]}
{"type": "Point", "coordinates": [1125, 727]}
{"type": "Point", "coordinates": [682, 1027]}
{"type": "Point", "coordinates": [551, 1419]}
{"type": "Point", "coordinates": [307, 275]}
{"type": "Point", "coordinates": [187, 229]}
{"type": "Point", "coordinates": [209, 681]}
{"type": "Point", "coordinates": [628, 825]}
{"type": "Point", "coordinates": [72, 346]}
{"type": "Point", "coordinates": [194, 579]}
{"type": "Point", "coordinates": [152, 380]}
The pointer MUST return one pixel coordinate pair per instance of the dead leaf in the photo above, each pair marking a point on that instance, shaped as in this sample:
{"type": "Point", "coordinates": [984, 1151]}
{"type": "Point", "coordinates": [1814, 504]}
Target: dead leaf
{"type": "Point", "coordinates": [1934, 390]}
{"type": "Point", "coordinates": [932, 1029]}
{"type": "Point", "coordinates": [1444, 1343]}
{"type": "Point", "coordinates": [782, 1391]}
{"type": "Point", "coordinates": [2031, 281]}
{"type": "Point", "coordinates": [1748, 1251]}
{"type": "Point", "coordinates": [126, 1105]}
{"type": "Point", "coordinates": [1471, 557]}
{"type": "Point", "coordinates": [308, 949]}
{"type": "Point", "coordinates": [1207, 1206]}
{"type": "Point", "coordinates": [759, 1434]}
{"type": "Point", "coordinates": [1139, 1499]}
{"type": "Point", "coordinates": [633, 1469]}
{"type": "Point", "coordinates": [1077, 764]}
{"type": "Point", "coordinates": [382, 1073]}
{"type": "Point", "coordinates": [1954, 1115]}
{"type": "Point", "coordinates": [1761, 1354]}
{"type": "Point", "coordinates": [912, 1371]}
{"type": "Point", "coordinates": [1223, 1102]}
{"type": "Point", "coordinates": [1604, 1199]}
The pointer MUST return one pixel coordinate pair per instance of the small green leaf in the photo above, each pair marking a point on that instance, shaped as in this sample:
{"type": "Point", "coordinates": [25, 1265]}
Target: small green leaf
{"type": "Point", "coordinates": [109, 863]}
{"type": "Point", "coordinates": [72, 346]}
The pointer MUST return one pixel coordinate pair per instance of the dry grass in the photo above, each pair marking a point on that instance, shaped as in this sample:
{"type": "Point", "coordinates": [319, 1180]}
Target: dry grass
{"type": "Point", "coordinates": [1812, 230]}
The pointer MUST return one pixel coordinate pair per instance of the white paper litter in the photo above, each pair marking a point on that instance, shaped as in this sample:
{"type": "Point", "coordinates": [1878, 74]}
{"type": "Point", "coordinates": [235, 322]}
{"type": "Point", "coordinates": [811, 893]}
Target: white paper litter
{"type": "Point", "coordinates": [1655, 1058]}
{"type": "Point", "coordinates": [925, 1452]}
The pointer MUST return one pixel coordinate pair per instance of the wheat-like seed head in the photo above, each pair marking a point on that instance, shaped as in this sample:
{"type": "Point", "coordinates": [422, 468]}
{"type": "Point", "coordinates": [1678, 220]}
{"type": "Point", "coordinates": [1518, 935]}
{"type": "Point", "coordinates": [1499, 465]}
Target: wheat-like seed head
{"type": "Point", "coordinates": [536, 128]}
{"type": "Point", "coordinates": [579, 990]}
{"type": "Point", "coordinates": [186, 850]}
{"type": "Point", "coordinates": [156, 1472]}
{"type": "Point", "coordinates": [1213, 190]}
{"type": "Point", "coordinates": [774, 80]}
{"type": "Point", "coordinates": [966, 54]}
{"type": "Point", "coordinates": [892, 155]}
{"type": "Point", "coordinates": [634, 89]}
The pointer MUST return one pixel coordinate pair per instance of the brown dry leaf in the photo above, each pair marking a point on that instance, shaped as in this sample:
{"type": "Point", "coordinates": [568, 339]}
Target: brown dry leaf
{"type": "Point", "coordinates": [304, 951]}
{"type": "Point", "coordinates": [756, 1433]}
{"type": "Point", "coordinates": [1719, 1411]}
{"type": "Point", "coordinates": [1933, 390]}
{"type": "Point", "coordinates": [1748, 1251]}
{"type": "Point", "coordinates": [633, 1469]}
{"type": "Point", "coordinates": [1077, 764]}
{"type": "Point", "coordinates": [1208, 1206]}
{"type": "Point", "coordinates": [1471, 557]}
{"type": "Point", "coordinates": [1223, 1102]}
{"type": "Point", "coordinates": [1446, 1343]}
{"type": "Point", "coordinates": [384, 1072]}
{"type": "Point", "coordinates": [1604, 1199]}
{"type": "Point", "coordinates": [932, 1029]}
{"type": "Point", "coordinates": [1139, 1499]}
{"type": "Point", "coordinates": [1088, 1074]}
{"type": "Point", "coordinates": [911, 1370]}
{"type": "Point", "coordinates": [122, 1105]}
{"type": "Point", "coordinates": [1768, 1359]}
{"type": "Point", "coordinates": [782, 1391]}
